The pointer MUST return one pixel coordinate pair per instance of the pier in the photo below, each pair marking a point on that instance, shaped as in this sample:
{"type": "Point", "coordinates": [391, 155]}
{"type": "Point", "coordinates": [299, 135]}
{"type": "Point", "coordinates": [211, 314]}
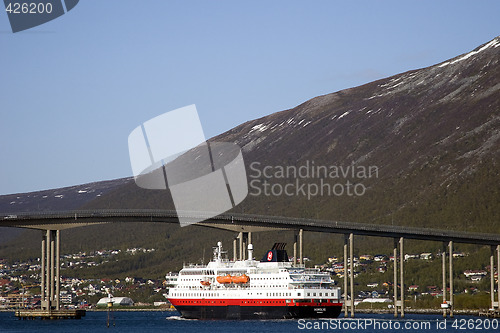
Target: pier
{"type": "Point", "coordinates": [49, 314]}
{"type": "Point", "coordinates": [490, 313]}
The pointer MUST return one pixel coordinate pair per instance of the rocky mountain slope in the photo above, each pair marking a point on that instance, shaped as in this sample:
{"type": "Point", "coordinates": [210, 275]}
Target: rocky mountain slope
{"type": "Point", "coordinates": [66, 198]}
{"type": "Point", "coordinates": [433, 133]}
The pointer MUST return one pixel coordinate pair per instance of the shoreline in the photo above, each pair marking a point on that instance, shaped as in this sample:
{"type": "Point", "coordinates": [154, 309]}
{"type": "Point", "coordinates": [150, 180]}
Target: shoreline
{"type": "Point", "coordinates": [114, 310]}
{"type": "Point", "coordinates": [470, 312]}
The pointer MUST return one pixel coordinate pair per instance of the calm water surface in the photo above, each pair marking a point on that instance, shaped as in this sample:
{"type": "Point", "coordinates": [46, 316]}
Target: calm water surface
{"type": "Point", "coordinates": [171, 322]}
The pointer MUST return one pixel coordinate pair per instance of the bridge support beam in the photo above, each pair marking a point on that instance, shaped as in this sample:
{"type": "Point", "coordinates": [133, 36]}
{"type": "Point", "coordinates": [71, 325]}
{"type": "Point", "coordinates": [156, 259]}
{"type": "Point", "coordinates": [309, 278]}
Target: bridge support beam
{"type": "Point", "coordinates": [450, 251]}
{"type": "Point", "coordinates": [495, 306]}
{"type": "Point", "coordinates": [50, 268]}
{"type": "Point", "coordinates": [498, 275]}
{"type": "Point", "coordinates": [492, 278]}
{"type": "Point", "coordinates": [245, 243]}
{"type": "Point", "coordinates": [58, 269]}
{"type": "Point", "coordinates": [395, 257]}
{"type": "Point", "coordinates": [443, 255]}
{"type": "Point", "coordinates": [399, 304]}
{"type": "Point", "coordinates": [243, 237]}
{"type": "Point", "coordinates": [44, 246]}
{"type": "Point", "coordinates": [240, 238]}
{"type": "Point", "coordinates": [301, 246]}
{"type": "Point", "coordinates": [294, 248]}
{"type": "Point", "coordinates": [346, 298]}
{"type": "Point", "coordinates": [235, 249]}
{"type": "Point", "coordinates": [447, 306]}
{"type": "Point", "coordinates": [401, 272]}
{"type": "Point", "coordinates": [51, 281]}
{"type": "Point", "coordinates": [349, 275]}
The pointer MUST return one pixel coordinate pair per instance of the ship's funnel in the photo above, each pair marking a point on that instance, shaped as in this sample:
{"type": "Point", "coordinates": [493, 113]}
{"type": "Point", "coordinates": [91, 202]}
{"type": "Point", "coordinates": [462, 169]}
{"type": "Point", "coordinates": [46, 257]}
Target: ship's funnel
{"type": "Point", "coordinates": [276, 254]}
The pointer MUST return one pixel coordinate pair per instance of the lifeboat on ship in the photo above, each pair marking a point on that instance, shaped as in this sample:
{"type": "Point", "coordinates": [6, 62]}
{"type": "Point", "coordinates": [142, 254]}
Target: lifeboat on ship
{"type": "Point", "coordinates": [224, 279]}
{"type": "Point", "coordinates": [205, 283]}
{"type": "Point", "coordinates": [240, 279]}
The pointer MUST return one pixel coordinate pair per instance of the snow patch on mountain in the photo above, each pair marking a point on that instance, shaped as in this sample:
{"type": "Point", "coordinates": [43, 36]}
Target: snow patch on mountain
{"type": "Point", "coordinates": [259, 127]}
{"type": "Point", "coordinates": [494, 43]}
{"type": "Point", "coordinates": [343, 115]}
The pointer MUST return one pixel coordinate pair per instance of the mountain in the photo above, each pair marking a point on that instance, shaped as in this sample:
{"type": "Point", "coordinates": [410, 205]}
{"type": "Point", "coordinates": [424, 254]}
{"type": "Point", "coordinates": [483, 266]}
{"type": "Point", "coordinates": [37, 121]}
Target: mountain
{"type": "Point", "coordinates": [66, 198]}
{"type": "Point", "coordinates": [421, 148]}
{"type": "Point", "coordinates": [433, 133]}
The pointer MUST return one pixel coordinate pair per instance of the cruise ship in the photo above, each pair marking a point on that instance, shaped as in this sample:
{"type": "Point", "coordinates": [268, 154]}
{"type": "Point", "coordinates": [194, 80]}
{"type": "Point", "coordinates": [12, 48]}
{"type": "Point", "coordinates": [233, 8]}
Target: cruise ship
{"type": "Point", "coordinates": [272, 288]}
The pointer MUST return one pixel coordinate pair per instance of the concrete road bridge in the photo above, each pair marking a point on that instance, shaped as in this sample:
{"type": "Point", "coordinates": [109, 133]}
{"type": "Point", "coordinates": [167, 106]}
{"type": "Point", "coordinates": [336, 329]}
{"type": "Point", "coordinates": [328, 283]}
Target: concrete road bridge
{"type": "Point", "coordinates": [51, 223]}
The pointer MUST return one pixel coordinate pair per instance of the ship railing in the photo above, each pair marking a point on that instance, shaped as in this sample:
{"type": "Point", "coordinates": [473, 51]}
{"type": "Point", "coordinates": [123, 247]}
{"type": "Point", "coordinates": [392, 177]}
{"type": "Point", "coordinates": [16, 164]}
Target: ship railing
{"type": "Point", "coordinates": [194, 266]}
{"type": "Point", "coordinates": [312, 270]}
{"type": "Point", "coordinates": [301, 268]}
{"type": "Point", "coordinates": [302, 280]}
{"type": "Point", "coordinates": [327, 286]}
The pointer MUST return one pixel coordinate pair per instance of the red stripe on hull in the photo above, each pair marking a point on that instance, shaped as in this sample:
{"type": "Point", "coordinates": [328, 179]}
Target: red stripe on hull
{"type": "Point", "coordinates": [249, 302]}
{"type": "Point", "coordinates": [258, 311]}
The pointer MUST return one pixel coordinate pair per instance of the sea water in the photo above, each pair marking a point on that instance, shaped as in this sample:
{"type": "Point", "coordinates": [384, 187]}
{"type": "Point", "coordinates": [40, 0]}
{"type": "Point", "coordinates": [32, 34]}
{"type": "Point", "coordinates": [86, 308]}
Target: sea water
{"type": "Point", "coordinates": [158, 321]}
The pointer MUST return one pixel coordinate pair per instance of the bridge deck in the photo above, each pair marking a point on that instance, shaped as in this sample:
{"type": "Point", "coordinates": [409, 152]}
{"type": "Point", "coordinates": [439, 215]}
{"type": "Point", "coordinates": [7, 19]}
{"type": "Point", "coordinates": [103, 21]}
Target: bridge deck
{"type": "Point", "coordinates": [238, 222]}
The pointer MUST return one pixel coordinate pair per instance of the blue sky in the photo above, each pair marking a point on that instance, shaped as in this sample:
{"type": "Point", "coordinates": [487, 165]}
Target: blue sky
{"type": "Point", "coordinates": [73, 89]}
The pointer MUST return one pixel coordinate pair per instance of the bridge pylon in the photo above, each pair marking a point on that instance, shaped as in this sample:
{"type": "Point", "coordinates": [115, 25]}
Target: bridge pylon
{"type": "Point", "coordinates": [399, 304]}
{"type": "Point", "coordinates": [495, 305]}
{"type": "Point", "coordinates": [51, 266]}
{"type": "Point", "coordinates": [349, 275]}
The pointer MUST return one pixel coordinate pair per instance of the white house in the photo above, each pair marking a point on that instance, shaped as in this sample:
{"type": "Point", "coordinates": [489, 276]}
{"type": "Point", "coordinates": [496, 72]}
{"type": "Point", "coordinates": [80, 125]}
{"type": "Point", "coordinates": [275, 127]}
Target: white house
{"type": "Point", "coordinates": [124, 301]}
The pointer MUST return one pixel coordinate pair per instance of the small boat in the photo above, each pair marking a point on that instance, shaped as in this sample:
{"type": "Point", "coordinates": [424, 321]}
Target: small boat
{"type": "Point", "coordinates": [224, 279]}
{"type": "Point", "coordinates": [240, 279]}
{"type": "Point", "coordinates": [205, 283]}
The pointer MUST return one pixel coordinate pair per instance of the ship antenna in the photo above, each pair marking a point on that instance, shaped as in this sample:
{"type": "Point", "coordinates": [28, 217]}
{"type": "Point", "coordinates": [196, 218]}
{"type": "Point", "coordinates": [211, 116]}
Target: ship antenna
{"type": "Point", "coordinates": [219, 251]}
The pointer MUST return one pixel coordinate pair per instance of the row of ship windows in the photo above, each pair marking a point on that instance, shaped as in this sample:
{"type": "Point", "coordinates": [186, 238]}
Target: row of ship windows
{"type": "Point", "coordinates": [252, 286]}
{"type": "Point", "coordinates": [223, 302]}
{"type": "Point", "coordinates": [213, 294]}
{"type": "Point", "coordinates": [194, 295]}
{"type": "Point", "coordinates": [197, 273]}
{"type": "Point", "coordinates": [267, 294]}
{"type": "Point", "coordinates": [298, 294]}
{"type": "Point", "coordinates": [213, 273]}
{"type": "Point", "coordinates": [270, 286]}
{"type": "Point", "coordinates": [320, 294]}
{"type": "Point", "coordinates": [253, 301]}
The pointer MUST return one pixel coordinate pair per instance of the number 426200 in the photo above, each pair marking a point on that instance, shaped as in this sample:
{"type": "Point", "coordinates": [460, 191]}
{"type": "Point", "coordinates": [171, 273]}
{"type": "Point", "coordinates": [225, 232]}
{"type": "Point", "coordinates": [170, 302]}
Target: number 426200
{"type": "Point", "coordinates": [29, 8]}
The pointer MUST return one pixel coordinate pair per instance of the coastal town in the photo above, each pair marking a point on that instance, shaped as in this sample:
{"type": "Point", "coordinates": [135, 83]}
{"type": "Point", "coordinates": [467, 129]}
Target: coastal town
{"type": "Point", "coordinates": [20, 281]}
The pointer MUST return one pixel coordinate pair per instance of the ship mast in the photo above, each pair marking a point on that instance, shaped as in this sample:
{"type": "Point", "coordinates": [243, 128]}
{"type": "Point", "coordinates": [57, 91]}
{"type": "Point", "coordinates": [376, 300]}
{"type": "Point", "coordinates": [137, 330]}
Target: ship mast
{"type": "Point", "coordinates": [218, 252]}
